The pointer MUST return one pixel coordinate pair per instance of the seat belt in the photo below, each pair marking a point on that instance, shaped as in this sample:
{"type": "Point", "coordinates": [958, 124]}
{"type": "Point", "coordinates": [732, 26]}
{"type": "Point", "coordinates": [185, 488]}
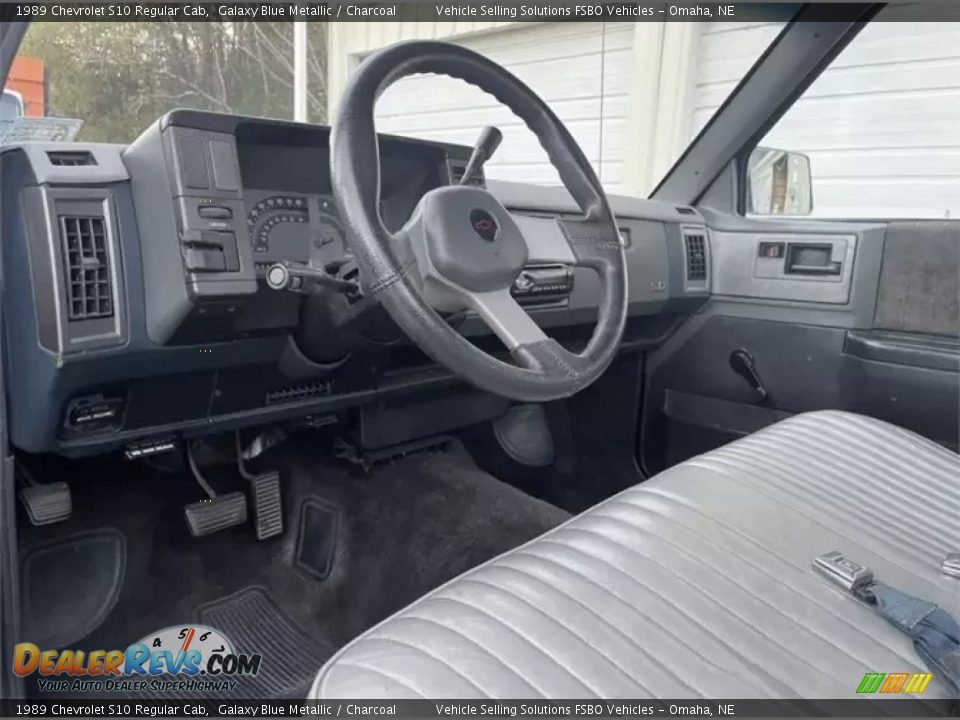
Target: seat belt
{"type": "Point", "coordinates": [935, 633]}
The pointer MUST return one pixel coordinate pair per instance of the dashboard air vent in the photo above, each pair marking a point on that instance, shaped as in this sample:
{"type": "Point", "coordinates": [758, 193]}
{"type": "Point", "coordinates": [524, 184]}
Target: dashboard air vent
{"type": "Point", "coordinates": [456, 174]}
{"type": "Point", "coordinates": [71, 157]}
{"type": "Point", "coordinates": [696, 246]}
{"type": "Point", "coordinates": [298, 393]}
{"type": "Point", "coordinates": [86, 267]}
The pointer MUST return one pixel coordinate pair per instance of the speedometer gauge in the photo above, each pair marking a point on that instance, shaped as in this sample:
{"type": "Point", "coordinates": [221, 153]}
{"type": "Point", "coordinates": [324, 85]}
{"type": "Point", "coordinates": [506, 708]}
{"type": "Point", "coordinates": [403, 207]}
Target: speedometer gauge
{"type": "Point", "coordinates": [269, 214]}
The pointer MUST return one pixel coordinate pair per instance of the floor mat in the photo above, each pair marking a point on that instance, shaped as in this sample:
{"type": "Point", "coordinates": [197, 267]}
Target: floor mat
{"type": "Point", "coordinates": [92, 565]}
{"type": "Point", "coordinates": [402, 530]}
{"type": "Point", "coordinates": [255, 624]}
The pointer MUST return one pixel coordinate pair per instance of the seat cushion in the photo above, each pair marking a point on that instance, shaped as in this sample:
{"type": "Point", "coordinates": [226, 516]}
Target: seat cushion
{"type": "Point", "coordinates": [696, 583]}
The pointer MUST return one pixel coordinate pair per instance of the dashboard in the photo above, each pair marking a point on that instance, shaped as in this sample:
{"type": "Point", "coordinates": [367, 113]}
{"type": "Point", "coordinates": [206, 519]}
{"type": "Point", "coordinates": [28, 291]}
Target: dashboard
{"type": "Point", "coordinates": [137, 307]}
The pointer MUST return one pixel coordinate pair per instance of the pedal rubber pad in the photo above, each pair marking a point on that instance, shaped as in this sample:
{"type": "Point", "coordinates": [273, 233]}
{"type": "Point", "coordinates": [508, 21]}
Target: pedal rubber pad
{"type": "Point", "coordinates": [267, 505]}
{"type": "Point", "coordinates": [210, 516]}
{"type": "Point", "coordinates": [47, 503]}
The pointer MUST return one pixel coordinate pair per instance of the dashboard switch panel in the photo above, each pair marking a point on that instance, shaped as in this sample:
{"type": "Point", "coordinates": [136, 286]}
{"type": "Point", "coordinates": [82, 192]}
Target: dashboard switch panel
{"type": "Point", "coordinates": [223, 159]}
{"type": "Point", "coordinates": [214, 212]}
{"type": "Point", "coordinates": [191, 163]}
{"type": "Point", "coordinates": [204, 260]}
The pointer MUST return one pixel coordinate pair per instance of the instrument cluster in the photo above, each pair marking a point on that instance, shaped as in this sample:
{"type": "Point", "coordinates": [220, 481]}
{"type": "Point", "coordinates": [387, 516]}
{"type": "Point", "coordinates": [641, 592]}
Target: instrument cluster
{"type": "Point", "coordinates": [295, 227]}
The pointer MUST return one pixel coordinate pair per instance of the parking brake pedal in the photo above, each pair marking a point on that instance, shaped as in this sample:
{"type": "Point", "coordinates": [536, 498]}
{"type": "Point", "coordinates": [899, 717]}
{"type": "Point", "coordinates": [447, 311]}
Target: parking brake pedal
{"type": "Point", "coordinates": [266, 496]}
{"type": "Point", "coordinates": [217, 512]}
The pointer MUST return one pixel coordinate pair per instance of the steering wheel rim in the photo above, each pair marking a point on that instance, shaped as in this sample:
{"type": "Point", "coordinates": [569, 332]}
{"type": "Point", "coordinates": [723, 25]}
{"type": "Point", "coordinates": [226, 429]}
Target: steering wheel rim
{"type": "Point", "coordinates": [395, 266]}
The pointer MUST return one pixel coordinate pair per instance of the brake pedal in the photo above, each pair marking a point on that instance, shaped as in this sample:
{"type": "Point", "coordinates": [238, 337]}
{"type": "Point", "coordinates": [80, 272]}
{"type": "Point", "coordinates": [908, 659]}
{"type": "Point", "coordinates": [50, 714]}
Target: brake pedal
{"type": "Point", "coordinates": [47, 503]}
{"type": "Point", "coordinates": [266, 496]}
{"type": "Point", "coordinates": [217, 512]}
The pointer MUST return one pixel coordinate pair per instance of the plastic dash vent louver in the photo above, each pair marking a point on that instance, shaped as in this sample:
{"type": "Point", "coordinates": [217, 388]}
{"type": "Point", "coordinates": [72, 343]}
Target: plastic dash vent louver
{"type": "Point", "coordinates": [86, 267]}
{"type": "Point", "coordinates": [69, 158]}
{"type": "Point", "coordinates": [696, 256]}
{"type": "Point", "coordinates": [298, 393]}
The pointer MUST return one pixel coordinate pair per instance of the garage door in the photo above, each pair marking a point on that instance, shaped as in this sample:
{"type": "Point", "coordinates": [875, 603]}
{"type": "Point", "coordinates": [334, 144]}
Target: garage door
{"type": "Point", "coordinates": [881, 125]}
{"type": "Point", "coordinates": [580, 69]}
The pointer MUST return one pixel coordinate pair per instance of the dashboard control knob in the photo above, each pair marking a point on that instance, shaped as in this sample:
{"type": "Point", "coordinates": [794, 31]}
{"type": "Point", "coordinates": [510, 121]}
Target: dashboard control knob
{"type": "Point", "coordinates": [524, 282]}
{"type": "Point", "coordinates": [278, 277]}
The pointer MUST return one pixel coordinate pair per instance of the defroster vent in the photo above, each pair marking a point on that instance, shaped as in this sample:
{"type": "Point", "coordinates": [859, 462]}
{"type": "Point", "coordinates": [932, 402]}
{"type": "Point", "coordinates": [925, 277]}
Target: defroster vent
{"type": "Point", "coordinates": [696, 255]}
{"type": "Point", "coordinates": [70, 158]}
{"type": "Point", "coordinates": [86, 267]}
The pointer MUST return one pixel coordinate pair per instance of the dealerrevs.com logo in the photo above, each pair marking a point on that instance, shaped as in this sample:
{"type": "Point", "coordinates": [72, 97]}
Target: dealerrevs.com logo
{"type": "Point", "coordinates": [184, 657]}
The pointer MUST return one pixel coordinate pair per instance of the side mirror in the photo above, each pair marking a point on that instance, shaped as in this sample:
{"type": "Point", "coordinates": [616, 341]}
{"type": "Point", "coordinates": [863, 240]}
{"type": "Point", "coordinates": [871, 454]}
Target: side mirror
{"type": "Point", "coordinates": [11, 105]}
{"type": "Point", "coordinates": [779, 183]}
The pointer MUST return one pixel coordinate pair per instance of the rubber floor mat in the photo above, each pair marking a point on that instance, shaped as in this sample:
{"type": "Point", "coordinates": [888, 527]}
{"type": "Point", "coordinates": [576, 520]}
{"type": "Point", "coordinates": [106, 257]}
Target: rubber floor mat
{"type": "Point", "coordinates": [254, 623]}
{"type": "Point", "coordinates": [91, 565]}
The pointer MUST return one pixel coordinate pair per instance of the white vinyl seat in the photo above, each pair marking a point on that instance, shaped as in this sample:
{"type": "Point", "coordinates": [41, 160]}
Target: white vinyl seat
{"type": "Point", "coordinates": [695, 583]}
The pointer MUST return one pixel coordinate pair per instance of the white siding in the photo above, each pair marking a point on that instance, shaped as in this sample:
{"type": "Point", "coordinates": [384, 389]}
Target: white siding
{"type": "Point", "coordinates": [349, 41]}
{"type": "Point", "coordinates": [562, 63]}
{"type": "Point", "coordinates": [726, 52]}
{"type": "Point", "coordinates": [881, 125]}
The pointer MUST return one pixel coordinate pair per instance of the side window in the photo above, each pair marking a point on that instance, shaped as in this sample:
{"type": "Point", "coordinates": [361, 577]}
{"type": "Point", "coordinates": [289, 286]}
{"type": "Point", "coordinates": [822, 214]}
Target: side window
{"type": "Point", "coordinates": [877, 135]}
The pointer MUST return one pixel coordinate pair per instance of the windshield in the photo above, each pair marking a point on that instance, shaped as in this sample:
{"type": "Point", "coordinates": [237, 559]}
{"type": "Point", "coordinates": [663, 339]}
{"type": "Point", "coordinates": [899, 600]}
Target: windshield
{"type": "Point", "coordinates": [632, 93]}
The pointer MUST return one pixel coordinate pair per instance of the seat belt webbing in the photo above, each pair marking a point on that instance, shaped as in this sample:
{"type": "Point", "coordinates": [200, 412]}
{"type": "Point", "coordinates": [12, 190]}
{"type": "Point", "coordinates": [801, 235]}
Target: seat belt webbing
{"type": "Point", "coordinates": [935, 633]}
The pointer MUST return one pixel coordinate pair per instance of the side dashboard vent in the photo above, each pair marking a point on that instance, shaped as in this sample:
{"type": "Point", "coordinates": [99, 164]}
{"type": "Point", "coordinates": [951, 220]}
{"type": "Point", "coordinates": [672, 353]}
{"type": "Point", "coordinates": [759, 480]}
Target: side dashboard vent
{"type": "Point", "coordinates": [86, 267]}
{"type": "Point", "coordinates": [71, 158]}
{"type": "Point", "coordinates": [456, 174]}
{"type": "Point", "coordinates": [696, 249]}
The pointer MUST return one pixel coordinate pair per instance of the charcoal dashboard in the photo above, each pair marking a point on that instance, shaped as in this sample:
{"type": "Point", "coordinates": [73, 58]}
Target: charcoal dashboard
{"type": "Point", "coordinates": [136, 307]}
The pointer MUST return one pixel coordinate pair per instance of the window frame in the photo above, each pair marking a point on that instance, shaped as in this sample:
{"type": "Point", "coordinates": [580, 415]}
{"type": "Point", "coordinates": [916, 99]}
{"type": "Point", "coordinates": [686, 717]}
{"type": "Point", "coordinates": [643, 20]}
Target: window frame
{"type": "Point", "coordinates": [809, 43]}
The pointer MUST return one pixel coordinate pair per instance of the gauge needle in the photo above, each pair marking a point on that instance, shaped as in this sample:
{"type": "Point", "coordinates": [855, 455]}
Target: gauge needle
{"type": "Point", "coordinates": [186, 640]}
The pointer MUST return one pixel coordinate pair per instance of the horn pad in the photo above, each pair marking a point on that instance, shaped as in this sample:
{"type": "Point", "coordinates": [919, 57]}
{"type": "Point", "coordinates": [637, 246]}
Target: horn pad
{"type": "Point", "coordinates": [471, 238]}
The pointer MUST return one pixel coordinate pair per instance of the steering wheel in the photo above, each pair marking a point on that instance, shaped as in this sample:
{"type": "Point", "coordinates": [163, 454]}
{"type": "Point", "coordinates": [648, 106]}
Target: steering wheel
{"type": "Point", "coordinates": [461, 248]}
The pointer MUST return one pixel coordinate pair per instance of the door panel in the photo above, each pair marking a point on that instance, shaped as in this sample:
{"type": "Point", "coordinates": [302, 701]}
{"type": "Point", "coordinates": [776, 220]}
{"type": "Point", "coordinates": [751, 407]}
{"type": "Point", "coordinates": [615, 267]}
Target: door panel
{"type": "Point", "coordinates": [890, 351]}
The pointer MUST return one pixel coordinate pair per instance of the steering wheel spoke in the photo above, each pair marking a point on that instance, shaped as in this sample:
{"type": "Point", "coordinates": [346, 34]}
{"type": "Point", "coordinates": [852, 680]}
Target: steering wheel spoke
{"type": "Point", "coordinates": [549, 358]}
{"type": "Point", "coordinates": [504, 315]}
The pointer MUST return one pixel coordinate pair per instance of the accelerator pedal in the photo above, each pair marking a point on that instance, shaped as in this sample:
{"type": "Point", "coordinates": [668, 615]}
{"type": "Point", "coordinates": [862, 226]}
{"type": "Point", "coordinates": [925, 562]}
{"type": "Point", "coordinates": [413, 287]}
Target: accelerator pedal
{"type": "Point", "coordinates": [266, 496]}
{"type": "Point", "coordinates": [267, 505]}
{"type": "Point", "coordinates": [47, 503]}
{"type": "Point", "coordinates": [217, 512]}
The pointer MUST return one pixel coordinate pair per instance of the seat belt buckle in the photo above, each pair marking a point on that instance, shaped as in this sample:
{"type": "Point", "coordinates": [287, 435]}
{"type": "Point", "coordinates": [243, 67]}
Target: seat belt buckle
{"type": "Point", "coordinates": [951, 565]}
{"type": "Point", "coordinates": [842, 571]}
